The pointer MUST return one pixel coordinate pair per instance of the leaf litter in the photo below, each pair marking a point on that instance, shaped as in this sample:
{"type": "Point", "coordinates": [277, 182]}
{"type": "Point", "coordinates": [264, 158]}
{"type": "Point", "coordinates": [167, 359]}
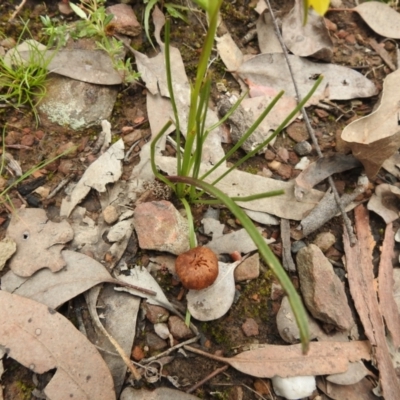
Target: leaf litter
{"type": "Point", "coordinates": [289, 212]}
{"type": "Point", "coordinates": [34, 335]}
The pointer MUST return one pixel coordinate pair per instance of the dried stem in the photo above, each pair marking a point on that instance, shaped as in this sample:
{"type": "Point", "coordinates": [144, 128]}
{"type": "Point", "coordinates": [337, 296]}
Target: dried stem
{"type": "Point", "coordinates": [310, 130]}
{"type": "Point", "coordinates": [17, 10]}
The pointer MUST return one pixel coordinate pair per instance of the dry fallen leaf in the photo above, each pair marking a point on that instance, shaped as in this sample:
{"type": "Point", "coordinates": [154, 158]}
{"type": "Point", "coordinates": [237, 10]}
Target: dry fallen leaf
{"type": "Point", "coordinates": [354, 374]}
{"type": "Point", "coordinates": [39, 241]}
{"type": "Point", "coordinates": [139, 276]}
{"type": "Point", "coordinates": [306, 40]}
{"type": "Point", "coordinates": [55, 288]}
{"type": "Point", "coordinates": [106, 169]}
{"type": "Point", "coordinates": [322, 169]}
{"type": "Point", "coordinates": [114, 308]}
{"type": "Point", "coordinates": [267, 40]}
{"type": "Point", "coordinates": [387, 303]}
{"type": "Point", "coordinates": [216, 300]}
{"type": "Point", "coordinates": [271, 70]}
{"type": "Point", "coordinates": [381, 18]}
{"type": "Point", "coordinates": [361, 281]}
{"type": "Point", "coordinates": [161, 393]}
{"type": "Point", "coordinates": [7, 248]}
{"type": "Point", "coordinates": [272, 360]}
{"type": "Point", "coordinates": [41, 339]}
{"type": "Point", "coordinates": [360, 390]}
{"type": "Point", "coordinates": [376, 137]}
{"type": "Point", "coordinates": [385, 202]}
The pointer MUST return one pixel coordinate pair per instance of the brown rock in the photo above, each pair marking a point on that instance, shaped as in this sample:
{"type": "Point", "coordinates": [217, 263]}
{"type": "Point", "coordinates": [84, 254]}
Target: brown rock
{"type": "Point", "coordinates": [110, 214]}
{"type": "Point", "coordinates": [248, 269]}
{"type": "Point", "coordinates": [161, 227]}
{"type": "Point", "coordinates": [293, 158]}
{"type": "Point", "coordinates": [13, 137]}
{"type": "Point", "coordinates": [269, 155]}
{"type": "Point", "coordinates": [137, 353]}
{"type": "Point", "coordinates": [322, 291]}
{"type": "Point", "coordinates": [331, 26]}
{"type": "Point", "coordinates": [351, 39]}
{"type": "Point", "coordinates": [178, 328]}
{"type": "Point", "coordinates": [156, 314]}
{"type": "Point", "coordinates": [297, 131]}
{"type": "Point", "coordinates": [132, 137]}
{"type": "Point", "coordinates": [325, 240]}
{"type": "Point", "coordinates": [28, 140]}
{"type": "Point", "coordinates": [65, 167]}
{"type": "Point", "coordinates": [124, 21]}
{"type": "Point", "coordinates": [321, 113]}
{"type": "Point", "coordinates": [284, 171]}
{"type": "Point", "coordinates": [250, 327]}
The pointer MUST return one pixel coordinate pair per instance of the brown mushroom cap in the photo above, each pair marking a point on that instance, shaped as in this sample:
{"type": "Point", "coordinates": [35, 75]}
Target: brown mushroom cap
{"type": "Point", "coordinates": [197, 268]}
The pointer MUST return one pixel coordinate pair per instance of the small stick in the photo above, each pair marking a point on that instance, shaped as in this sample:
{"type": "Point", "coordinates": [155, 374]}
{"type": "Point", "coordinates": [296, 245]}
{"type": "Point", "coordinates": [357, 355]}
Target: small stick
{"type": "Point", "coordinates": [59, 187]}
{"type": "Point", "coordinates": [310, 130]}
{"type": "Point", "coordinates": [17, 10]}
{"type": "Point", "coordinates": [207, 378]}
{"type": "Point", "coordinates": [170, 350]}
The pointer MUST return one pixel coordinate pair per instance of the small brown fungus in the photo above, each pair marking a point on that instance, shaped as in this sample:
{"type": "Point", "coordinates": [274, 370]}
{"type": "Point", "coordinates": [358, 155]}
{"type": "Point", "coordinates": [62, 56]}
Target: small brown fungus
{"type": "Point", "coordinates": [197, 268]}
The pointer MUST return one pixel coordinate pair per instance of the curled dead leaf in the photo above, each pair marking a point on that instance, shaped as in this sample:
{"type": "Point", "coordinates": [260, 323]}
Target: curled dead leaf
{"type": "Point", "coordinates": [376, 137]}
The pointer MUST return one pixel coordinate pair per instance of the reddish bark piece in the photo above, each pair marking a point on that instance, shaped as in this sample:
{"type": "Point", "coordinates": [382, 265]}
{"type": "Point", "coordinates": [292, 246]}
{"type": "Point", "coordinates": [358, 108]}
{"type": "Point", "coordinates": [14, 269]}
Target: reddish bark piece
{"type": "Point", "coordinates": [323, 358]}
{"type": "Point", "coordinates": [41, 339]}
{"type": "Point", "coordinates": [39, 241]}
{"type": "Point", "coordinates": [387, 304]}
{"type": "Point", "coordinates": [361, 282]}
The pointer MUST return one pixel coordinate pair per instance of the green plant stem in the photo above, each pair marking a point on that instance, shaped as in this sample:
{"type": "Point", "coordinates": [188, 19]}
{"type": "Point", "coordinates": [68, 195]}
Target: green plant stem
{"type": "Point", "coordinates": [212, 13]}
{"type": "Point", "coordinates": [257, 196]}
{"type": "Point", "coordinates": [192, 235]}
{"type": "Point", "coordinates": [265, 251]}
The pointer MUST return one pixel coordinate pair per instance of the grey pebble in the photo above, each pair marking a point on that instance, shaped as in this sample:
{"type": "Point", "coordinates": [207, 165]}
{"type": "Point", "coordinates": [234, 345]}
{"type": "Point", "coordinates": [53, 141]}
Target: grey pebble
{"type": "Point", "coordinates": [302, 148]}
{"type": "Point", "coordinates": [297, 246]}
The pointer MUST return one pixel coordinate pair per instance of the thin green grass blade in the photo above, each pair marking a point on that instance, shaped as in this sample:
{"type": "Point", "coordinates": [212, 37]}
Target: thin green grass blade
{"type": "Point", "coordinates": [265, 251]}
{"type": "Point", "coordinates": [247, 134]}
{"type": "Point", "coordinates": [277, 131]}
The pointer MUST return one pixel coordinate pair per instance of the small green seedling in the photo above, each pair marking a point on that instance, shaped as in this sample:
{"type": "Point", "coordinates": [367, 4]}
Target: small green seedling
{"type": "Point", "coordinates": [22, 82]}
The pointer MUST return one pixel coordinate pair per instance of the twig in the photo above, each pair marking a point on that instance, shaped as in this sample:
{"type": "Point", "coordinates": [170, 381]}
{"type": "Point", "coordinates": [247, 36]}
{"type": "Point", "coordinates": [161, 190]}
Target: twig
{"type": "Point", "coordinates": [310, 130]}
{"type": "Point", "coordinates": [170, 350]}
{"type": "Point", "coordinates": [63, 183]}
{"type": "Point", "coordinates": [17, 10]}
{"type": "Point", "coordinates": [207, 378]}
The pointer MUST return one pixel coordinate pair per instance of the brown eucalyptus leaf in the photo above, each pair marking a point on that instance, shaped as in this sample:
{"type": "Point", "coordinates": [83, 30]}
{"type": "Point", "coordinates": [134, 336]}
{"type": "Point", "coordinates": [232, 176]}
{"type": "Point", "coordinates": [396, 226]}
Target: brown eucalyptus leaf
{"type": "Point", "coordinates": [381, 18]}
{"type": "Point", "coordinates": [55, 288]}
{"type": "Point", "coordinates": [339, 83]}
{"type": "Point", "coordinates": [161, 393]}
{"type": "Point", "coordinates": [91, 66]}
{"type": "Point", "coordinates": [376, 137]}
{"type": "Point", "coordinates": [307, 40]}
{"type": "Point", "coordinates": [41, 339]}
{"type": "Point", "coordinates": [323, 358]}
{"type": "Point", "coordinates": [39, 241]}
